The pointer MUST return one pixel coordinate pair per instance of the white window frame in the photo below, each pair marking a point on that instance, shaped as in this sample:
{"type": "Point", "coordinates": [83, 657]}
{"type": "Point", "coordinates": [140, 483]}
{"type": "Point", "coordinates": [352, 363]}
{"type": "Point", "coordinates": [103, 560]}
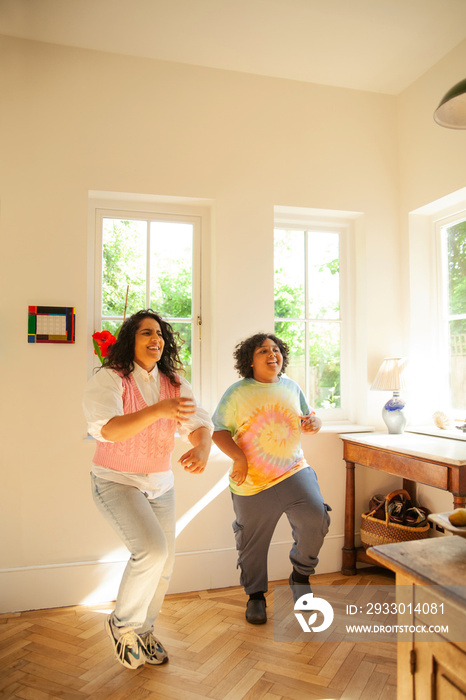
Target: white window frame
{"type": "Point", "coordinates": [428, 352]}
{"type": "Point", "coordinates": [153, 208]}
{"type": "Point", "coordinates": [444, 316]}
{"type": "Point", "coordinates": [343, 224]}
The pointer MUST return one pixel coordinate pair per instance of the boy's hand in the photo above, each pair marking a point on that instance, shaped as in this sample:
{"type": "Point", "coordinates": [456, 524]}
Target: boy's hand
{"type": "Point", "coordinates": [310, 424]}
{"type": "Point", "coordinates": [239, 470]}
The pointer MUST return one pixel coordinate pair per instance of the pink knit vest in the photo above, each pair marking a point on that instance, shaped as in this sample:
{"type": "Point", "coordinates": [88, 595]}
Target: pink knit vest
{"type": "Point", "coordinates": [150, 450]}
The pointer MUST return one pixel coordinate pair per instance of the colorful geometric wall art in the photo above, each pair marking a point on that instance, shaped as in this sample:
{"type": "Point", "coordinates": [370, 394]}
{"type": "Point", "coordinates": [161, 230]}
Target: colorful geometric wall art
{"type": "Point", "coordinates": [51, 324]}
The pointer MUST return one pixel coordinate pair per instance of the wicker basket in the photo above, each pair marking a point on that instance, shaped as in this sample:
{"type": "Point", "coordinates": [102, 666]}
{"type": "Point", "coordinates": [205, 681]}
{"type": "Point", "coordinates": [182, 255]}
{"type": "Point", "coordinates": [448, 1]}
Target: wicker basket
{"type": "Point", "coordinates": [375, 531]}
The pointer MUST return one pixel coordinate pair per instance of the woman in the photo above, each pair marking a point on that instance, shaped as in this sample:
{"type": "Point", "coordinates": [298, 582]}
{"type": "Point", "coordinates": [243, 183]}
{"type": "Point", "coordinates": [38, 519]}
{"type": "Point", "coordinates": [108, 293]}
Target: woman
{"type": "Point", "coordinates": [258, 424]}
{"type": "Point", "coordinates": [133, 406]}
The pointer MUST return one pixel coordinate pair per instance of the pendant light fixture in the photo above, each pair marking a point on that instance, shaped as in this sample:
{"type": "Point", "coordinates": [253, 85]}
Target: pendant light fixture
{"type": "Point", "coordinates": [451, 111]}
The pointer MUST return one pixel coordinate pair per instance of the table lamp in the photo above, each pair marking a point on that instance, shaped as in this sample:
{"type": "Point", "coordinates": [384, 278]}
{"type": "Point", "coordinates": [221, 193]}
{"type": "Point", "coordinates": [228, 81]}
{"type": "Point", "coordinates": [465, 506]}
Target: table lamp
{"type": "Point", "coordinates": [390, 378]}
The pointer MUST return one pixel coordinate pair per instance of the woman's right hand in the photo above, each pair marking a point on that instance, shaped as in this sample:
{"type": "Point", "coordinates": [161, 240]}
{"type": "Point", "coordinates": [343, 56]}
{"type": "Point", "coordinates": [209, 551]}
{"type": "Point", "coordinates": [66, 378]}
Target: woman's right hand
{"type": "Point", "coordinates": [180, 409]}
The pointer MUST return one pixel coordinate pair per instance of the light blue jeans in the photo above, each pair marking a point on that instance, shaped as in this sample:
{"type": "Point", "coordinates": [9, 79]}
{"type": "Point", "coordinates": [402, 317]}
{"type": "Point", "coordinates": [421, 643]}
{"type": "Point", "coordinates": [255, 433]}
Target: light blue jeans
{"type": "Point", "coordinates": [147, 527]}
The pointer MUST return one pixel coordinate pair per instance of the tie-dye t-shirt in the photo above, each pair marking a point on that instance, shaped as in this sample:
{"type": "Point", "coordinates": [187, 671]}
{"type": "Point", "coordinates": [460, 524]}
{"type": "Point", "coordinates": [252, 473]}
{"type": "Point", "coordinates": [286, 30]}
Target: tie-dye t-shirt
{"type": "Point", "coordinates": [264, 420]}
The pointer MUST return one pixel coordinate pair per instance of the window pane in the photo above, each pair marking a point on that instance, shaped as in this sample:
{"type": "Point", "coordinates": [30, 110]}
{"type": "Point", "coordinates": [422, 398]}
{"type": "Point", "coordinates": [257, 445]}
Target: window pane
{"type": "Point", "coordinates": [324, 275]}
{"type": "Point", "coordinates": [293, 334]}
{"type": "Point", "coordinates": [289, 273]}
{"type": "Point", "coordinates": [111, 326]}
{"type": "Point", "coordinates": [456, 245]}
{"type": "Point", "coordinates": [185, 332]}
{"type": "Point", "coordinates": [458, 364]}
{"type": "Point", "coordinates": [324, 363]}
{"type": "Point", "coordinates": [171, 268]}
{"type": "Point", "coordinates": [123, 264]}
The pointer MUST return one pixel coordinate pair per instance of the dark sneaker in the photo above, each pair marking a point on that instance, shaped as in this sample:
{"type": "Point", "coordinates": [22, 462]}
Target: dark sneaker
{"type": "Point", "coordinates": [153, 649]}
{"type": "Point", "coordinates": [127, 645]}
{"type": "Point", "coordinates": [255, 612]}
{"type": "Point", "coordinates": [397, 512]}
{"type": "Point", "coordinates": [298, 589]}
{"type": "Point", "coordinates": [416, 517]}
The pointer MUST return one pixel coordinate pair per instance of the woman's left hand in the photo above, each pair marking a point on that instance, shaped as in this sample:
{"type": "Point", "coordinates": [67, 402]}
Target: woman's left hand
{"type": "Point", "coordinates": [311, 424]}
{"type": "Point", "coordinates": [195, 460]}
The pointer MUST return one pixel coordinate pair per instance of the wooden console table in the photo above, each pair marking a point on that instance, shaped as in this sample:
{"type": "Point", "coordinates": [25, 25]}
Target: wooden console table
{"type": "Point", "coordinates": [434, 461]}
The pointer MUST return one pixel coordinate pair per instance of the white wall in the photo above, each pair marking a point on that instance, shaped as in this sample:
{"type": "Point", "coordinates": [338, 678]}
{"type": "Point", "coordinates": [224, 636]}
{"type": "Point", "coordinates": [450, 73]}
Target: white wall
{"type": "Point", "coordinates": [432, 176]}
{"type": "Point", "coordinates": [74, 121]}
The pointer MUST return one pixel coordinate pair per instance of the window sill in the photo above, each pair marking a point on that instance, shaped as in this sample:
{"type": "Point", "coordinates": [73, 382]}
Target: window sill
{"type": "Point", "coordinates": [339, 428]}
{"type": "Point", "coordinates": [453, 434]}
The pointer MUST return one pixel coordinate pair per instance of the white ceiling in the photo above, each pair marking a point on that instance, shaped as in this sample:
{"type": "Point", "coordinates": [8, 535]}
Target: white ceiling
{"type": "Point", "coordinates": [376, 45]}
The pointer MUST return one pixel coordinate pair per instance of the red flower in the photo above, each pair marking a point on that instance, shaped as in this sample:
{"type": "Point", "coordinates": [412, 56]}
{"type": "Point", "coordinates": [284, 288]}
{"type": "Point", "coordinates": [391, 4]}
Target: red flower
{"type": "Point", "coordinates": [102, 341]}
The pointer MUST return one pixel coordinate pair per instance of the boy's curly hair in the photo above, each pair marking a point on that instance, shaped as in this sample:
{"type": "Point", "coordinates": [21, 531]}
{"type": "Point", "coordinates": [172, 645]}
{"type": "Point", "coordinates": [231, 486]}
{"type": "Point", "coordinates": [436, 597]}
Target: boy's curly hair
{"type": "Point", "coordinates": [244, 351]}
{"type": "Point", "coordinates": [121, 354]}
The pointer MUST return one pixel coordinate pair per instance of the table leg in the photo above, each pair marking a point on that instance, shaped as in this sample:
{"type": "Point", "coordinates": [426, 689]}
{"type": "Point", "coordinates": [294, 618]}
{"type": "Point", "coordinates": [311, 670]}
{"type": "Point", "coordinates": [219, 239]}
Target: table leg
{"type": "Point", "coordinates": [349, 552]}
{"type": "Point", "coordinates": [459, 501]}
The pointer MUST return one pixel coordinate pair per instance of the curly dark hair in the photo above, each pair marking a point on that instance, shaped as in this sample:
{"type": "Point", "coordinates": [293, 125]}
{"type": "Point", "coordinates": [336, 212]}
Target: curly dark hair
{"type": "Point", "coordinates": [244, 352]}
{"type": "Point", "coordinates": [121, 354]}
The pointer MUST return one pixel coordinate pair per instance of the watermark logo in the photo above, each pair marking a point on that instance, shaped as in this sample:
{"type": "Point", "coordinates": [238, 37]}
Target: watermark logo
{"type": "Point", "coordinates": [308, 603]}
{"type": "Point", "coordinates": [359, 613]}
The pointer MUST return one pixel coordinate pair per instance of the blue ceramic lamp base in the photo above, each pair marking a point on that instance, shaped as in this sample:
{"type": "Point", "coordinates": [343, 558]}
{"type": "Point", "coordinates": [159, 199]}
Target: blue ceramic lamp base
{"type": "Point", "coordinates": [394, 415]}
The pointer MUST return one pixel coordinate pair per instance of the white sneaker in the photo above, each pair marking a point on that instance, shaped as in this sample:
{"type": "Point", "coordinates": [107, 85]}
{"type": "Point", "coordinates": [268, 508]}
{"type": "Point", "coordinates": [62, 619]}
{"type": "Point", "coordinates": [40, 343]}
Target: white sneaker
{"type": "Point", "coordinates": [127, 646]}
{"type": "Point", "coordinates": [153, 649]}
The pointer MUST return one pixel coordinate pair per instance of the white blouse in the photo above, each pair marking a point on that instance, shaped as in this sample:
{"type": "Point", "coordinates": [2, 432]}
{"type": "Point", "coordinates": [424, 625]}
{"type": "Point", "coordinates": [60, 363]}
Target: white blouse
{"type": "Point", "coordinates": [103, 401]}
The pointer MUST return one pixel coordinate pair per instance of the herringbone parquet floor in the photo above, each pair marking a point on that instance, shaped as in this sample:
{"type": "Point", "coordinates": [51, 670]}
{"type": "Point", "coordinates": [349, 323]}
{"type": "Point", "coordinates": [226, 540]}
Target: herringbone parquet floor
{"type": "Point", "coordinates": [214, 653]}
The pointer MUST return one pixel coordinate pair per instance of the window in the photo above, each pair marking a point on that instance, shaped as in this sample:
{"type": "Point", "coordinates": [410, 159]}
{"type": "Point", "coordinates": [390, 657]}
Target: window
{"type": "Point", "coordinates": [146, 259]}
{"type": "Point", "coordinates": [311, 313]}
{"type": "Point", "coordinates": [452, 239]}
{"type": "Point", "coordinates": [437, 298]}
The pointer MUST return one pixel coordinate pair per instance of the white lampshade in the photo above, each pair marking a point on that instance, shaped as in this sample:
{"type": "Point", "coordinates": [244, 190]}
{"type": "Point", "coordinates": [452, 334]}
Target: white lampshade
{"type": "Point", "coordinates": [390, 376]}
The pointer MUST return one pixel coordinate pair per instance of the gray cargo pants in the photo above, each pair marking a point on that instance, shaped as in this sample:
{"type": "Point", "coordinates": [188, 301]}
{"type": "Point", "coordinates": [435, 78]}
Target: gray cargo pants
{"type": "Point", "coordinates": [257, 516]}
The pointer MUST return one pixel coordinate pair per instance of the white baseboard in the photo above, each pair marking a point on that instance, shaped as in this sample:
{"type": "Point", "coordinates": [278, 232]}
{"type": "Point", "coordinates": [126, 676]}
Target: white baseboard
{"type": "Point", "coordinates": [91, 583]}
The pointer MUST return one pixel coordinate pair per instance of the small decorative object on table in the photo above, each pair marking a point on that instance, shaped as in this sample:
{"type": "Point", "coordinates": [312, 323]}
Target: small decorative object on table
{"type": "Point", "coordinates": [442, 420]}
{"type": "Point", "coordinates": [393, 518]}
{"type": "Point", "coordinates": [445, 422]}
